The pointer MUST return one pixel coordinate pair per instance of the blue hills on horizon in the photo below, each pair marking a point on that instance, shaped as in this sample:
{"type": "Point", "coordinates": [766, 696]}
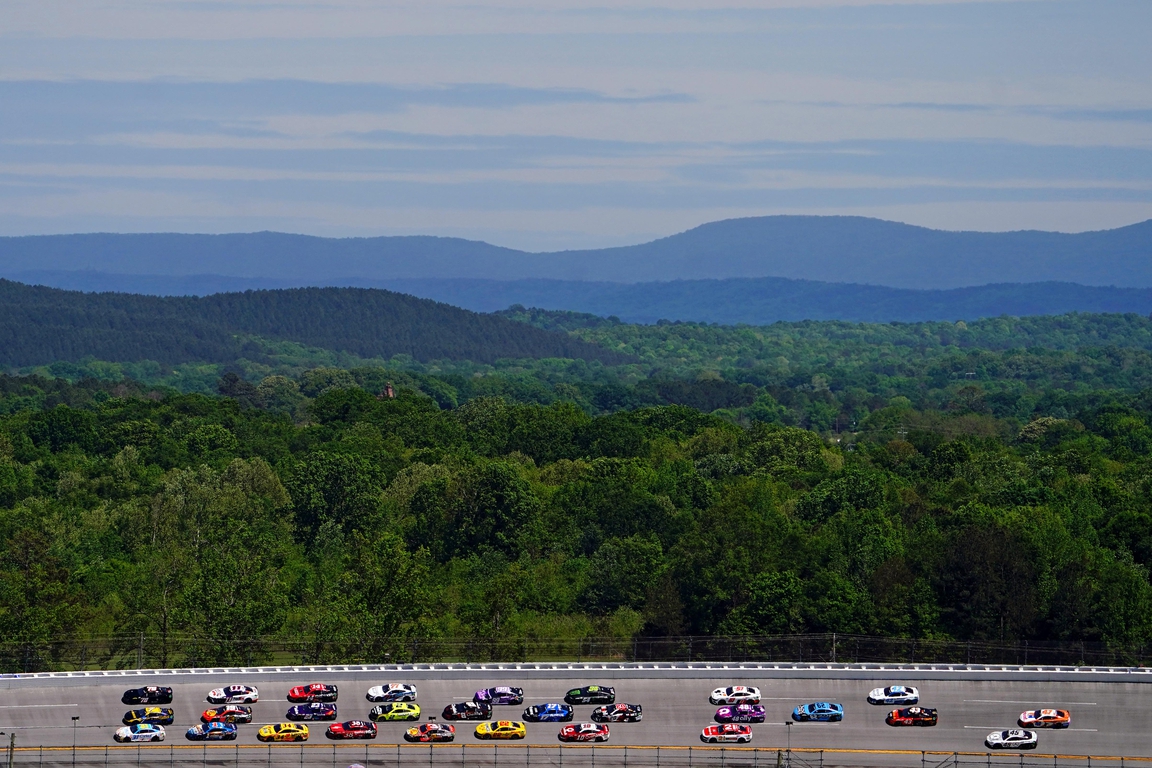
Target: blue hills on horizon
{"type": "Point", "coordinates": [754, 270]}
{"type": "Point", "coordinates": [749, 301]}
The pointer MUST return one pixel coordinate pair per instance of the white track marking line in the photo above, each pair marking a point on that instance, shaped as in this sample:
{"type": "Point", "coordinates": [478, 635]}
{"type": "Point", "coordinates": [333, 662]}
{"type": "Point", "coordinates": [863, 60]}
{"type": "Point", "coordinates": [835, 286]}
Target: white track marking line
{"type": "Point", "coordinates": [1033, 702]}
{"type": "Point", "coordinates": [34, 706]}
{"type": "Point", "coordinates": [1016, 728]}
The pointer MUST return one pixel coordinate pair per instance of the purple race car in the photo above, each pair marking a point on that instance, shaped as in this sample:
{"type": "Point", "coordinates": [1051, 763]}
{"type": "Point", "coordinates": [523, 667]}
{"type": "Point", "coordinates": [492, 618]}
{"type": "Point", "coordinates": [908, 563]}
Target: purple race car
{"type": "Point", "coordinates": [314, 711]}
{"type": "Point", "coordinates": [741, 713]}
{"type": "Point", "coordinates": [499, 695]}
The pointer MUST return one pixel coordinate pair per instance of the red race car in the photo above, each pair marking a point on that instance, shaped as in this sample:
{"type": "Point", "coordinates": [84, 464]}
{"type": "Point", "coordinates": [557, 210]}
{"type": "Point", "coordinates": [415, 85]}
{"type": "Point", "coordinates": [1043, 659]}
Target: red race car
{"type": "Point", "coordinates": [353, 729]}
{"type": "Point", "coordinates": [313, 692]}
{"type": "Point", "coordinates": [912, 716]}
{"type": "Point", "coordinates": [584, 732]}
{"type": "Point", "coordinates": [737, 732]}
{"type": "Point", "coordinates": [228, 713]}
{"type": "Point", "coordinates": [426, 732]}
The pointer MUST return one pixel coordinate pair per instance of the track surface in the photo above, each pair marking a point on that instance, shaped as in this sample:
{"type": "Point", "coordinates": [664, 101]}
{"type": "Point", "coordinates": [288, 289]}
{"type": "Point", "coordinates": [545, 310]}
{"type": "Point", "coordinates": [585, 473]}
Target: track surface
{"type": "Point", "coordinates": [1107, 718]}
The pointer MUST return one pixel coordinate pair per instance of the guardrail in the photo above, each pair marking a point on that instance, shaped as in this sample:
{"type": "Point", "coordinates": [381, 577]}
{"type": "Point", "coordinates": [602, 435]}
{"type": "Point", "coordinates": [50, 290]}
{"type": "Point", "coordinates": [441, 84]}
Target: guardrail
{"type": "Point", "coordinates": [618, 670]}
{"type": "Point", "coordinates": [151, 651]}
{"type": "Point", "coordinates": [513, 756]}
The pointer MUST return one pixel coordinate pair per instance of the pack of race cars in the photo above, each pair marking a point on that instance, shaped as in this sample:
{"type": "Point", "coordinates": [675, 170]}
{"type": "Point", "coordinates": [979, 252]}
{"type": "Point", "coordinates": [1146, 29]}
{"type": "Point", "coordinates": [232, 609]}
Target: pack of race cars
{"type": "Point", "coordinates": [739, 707]}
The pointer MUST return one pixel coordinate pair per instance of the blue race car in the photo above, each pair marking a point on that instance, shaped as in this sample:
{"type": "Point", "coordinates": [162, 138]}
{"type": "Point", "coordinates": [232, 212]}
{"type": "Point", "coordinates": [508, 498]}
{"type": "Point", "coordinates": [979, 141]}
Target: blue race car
{"type": "Point", "coordinates": [315, 711]}
{"type": "Point", "coordinates": [548, 713]}
{"type": "Point", "coordinates": [214, 731]}
{"type": "Point", "coordinates": [820, 710]}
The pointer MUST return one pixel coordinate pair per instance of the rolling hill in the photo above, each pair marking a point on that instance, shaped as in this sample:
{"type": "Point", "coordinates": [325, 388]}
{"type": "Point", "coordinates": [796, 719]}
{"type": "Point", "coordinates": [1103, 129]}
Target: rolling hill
{"type": "Point", "coordinates": [819, 248]}
{"type": "Point", "coordinates": [753, 301]}
{"type": "Point", "coordinates": [42, 325]}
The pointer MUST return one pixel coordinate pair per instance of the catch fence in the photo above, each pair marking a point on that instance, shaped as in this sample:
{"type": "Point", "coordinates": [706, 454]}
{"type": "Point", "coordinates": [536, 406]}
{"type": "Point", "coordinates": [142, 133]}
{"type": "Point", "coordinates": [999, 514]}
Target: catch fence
{"type": "Point", "coordinates": [527, 756]}
{"type": "Point", "coordinates": [150, 652]}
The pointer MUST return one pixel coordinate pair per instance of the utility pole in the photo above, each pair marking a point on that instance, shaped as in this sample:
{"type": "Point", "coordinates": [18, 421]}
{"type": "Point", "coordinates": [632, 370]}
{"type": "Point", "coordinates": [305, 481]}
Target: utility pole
{"type": "Point", "coordinates": [11, 748]}
{"type": "Point", "coordinates": [74, 719]}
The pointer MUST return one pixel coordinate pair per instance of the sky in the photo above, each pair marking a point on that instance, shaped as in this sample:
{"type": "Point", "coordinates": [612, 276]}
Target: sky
{"type": "Point", "coordinates": [557, 124]}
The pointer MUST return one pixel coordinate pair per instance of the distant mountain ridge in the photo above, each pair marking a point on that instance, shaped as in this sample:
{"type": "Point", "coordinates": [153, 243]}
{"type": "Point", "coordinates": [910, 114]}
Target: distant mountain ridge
{"type": "Point", "coordinates": [754, 301]}
{"type": "Point", "coordinates": [843, 249]}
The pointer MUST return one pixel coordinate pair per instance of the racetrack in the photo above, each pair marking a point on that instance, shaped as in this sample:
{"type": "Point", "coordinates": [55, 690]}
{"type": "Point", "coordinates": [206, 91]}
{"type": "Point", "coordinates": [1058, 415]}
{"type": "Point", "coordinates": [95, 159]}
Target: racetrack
{"type": "Point", "coordinates": [1109, 718]}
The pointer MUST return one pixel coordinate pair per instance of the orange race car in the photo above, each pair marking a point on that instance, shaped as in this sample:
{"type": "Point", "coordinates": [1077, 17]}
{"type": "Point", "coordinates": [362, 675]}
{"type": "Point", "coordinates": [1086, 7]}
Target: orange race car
{"type": "Point", "coordinates": [1045, 718]}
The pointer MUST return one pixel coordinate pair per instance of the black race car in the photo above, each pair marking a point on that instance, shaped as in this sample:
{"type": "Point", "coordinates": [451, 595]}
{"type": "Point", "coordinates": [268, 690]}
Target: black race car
{"type": "Point", "coordinates": [468, 710]}
{"type": "Point", "coordinates": [591, 694]}
{"type": "Point", "coordinates": [151, 694]}
{"type": "Point", "coordinates": [618, 713]}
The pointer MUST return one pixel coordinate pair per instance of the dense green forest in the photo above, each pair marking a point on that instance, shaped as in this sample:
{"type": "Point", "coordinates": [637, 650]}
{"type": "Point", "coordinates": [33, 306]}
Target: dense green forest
{"type": "Point", "coordinates": [312, 508]}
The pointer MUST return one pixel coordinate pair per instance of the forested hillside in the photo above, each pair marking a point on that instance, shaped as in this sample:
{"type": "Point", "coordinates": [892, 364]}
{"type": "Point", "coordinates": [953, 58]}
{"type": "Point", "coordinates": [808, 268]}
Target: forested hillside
{"type": "Point", "coordinates": [310, 509]}
{"type": "Point", "coordinates": [44, 325]}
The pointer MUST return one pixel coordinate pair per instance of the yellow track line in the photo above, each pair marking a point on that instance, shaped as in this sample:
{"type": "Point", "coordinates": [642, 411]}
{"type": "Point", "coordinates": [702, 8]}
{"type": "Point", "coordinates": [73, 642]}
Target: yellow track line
{"type": "Point", "coordinates": [802, 750]}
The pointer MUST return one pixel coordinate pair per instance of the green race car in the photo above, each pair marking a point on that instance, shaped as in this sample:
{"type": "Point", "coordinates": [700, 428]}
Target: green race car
{"type": "Point", "coordinates": [396, 710]}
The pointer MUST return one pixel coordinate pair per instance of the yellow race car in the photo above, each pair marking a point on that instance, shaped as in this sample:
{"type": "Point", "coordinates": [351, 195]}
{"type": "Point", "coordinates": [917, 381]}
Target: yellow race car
{"type": "Point", "coordinates": [154, 715]}
{"type": "Point", "coordinates": [283, 732]}
{"type": "Point", "coordinates": [397, 710]}
{"type": "Point", "coordinates": [501, 729]}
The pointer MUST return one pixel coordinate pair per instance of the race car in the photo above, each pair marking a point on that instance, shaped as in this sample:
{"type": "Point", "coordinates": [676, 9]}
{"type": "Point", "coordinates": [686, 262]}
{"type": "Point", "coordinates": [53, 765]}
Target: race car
{"type": "Point", "coordinates": [1043, 718]}
{"type": "Point", "coordinates": [735, 694]}
{"type": "Point", "coordinates": [140, 732]}
{"type": "Point", "coordinates": [548, 713]}
{"type": "Point", "coordinates": [894, 694]}
{"type": "Point", "coordinates": [229, 713]}
{"type": "Point", "coordinates": [912, 716]}
{"type": "Point", "coordinates": [151, 694]}
{"type": "Point", "coordinates": [392, 692]}
{"type": "Point", "coordinates": [820, 710]}
{"type": "Point", "coordinates": [429, 732]}
{"type": "Point", "coordinates": [591, 694]}
{"type": "Point", "coordinates": [234, 694]}
{"type": "Point", "coordinates": [500, 695]}
{"type": "Point", "coordinates": [313, 692]}
{"type": "Point", "coordinates": [741, 713]}
{"type": "Point", "coordinates": [154, 715]}
{"type": "Point", "coordinates": [468, 710]}
{"type": "Point", "coordinates": [1012, 739]}
{"type": "Point", "coordinates": [315, 711]}
{"type": "Point", "coordinates": [583, 732]}
{"type": "Point", "coordinates": [398, 711]}
{"type": "Point", "coordinates": [618, 713]}
{"type": "Point", "coordinates": [738, 732]}
{"type": "Point", "coordinates": [501, 729]}
{"type": "Point", "coordinates": [213, 731]}
{"type": "Point", "coordinates": [283, 732]}
{"type": "Point", "coordinates": [353, 729]}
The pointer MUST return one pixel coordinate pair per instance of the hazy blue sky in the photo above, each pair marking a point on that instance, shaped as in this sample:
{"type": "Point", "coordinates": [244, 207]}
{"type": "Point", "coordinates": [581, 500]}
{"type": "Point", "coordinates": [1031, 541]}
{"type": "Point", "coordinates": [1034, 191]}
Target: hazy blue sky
{"type": "Point", "coordinates": [558, 123]}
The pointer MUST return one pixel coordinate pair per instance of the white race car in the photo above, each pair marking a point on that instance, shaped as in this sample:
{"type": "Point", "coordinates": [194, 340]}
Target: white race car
{"type": "Point", "coordinates": [894, 694]}
{"type": "Point", "coordinates": [392, 692]}
{"type": "Point", "coordinates": [1012, 739]}
{"type": "Point", "coordinates": [735, 694]}
{"type": "Point", "coordinates": [140, 732]}
{"type": "Point", "coordinates": [234, 694]}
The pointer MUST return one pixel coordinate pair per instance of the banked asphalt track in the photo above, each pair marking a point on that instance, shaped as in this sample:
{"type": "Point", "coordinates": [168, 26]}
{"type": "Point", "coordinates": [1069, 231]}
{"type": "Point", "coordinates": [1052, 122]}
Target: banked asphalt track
{"type": "Point", "coordinates": [1111, 707]}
